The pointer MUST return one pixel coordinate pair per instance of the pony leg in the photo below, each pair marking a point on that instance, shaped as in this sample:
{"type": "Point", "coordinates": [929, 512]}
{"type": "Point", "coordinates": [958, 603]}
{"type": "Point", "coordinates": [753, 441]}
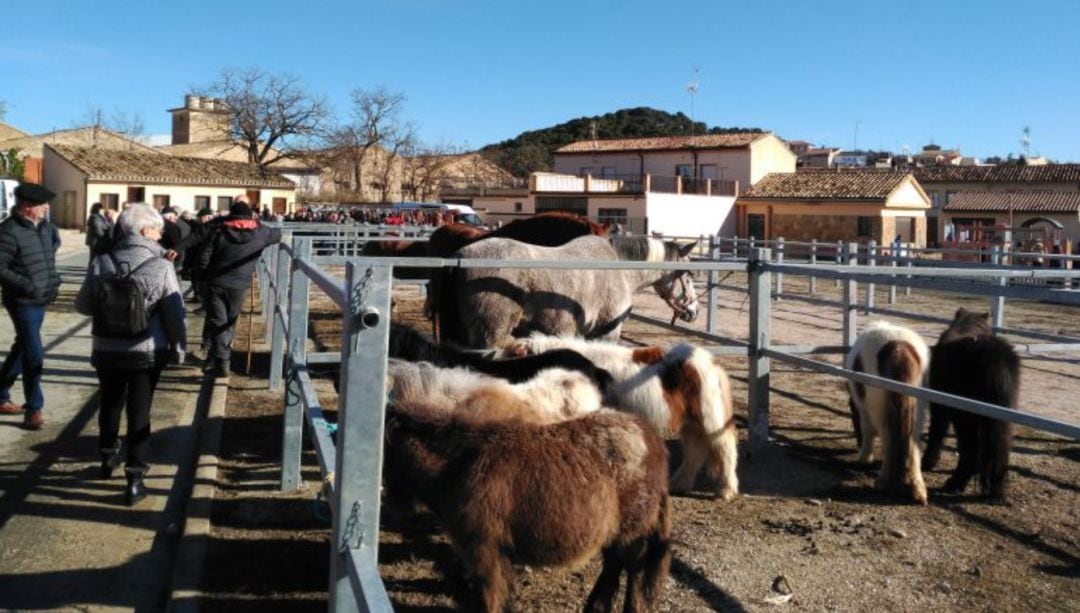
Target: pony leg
{"type": "Point", "coordinates": [602, 596]}
{"type": "Point", "coordinates": [866, 443]}
{"type": "Point", "coordinates": [856, 423]}
{"type": "Point", "coordinates": [492, 572]}
{"type": "Point", "coordinates": [724, 452]}
{"type": "Point", "coordinates": [996, 442]}
{"type": "Point", "coordinates": [967, 443]}
{"type": "Point", "coordinates": [939, 427]}
{"type": "Point", "coordinates": [914, 473]}
{"type": "Point", "coordinates": [695, 452]}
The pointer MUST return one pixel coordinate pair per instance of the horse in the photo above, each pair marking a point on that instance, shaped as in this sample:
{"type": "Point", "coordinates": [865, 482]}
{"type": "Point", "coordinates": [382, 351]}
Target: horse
{"type": "Point", "coordinates": [680, 391]}
{"type": "Point", "coordinates": [545, 229]}
{"type": "Point", "coordinates": [552, 395]}
{"type": "Point", "coordinates": [399, 249]}
{"type": "Point", "coordinates": [409, 344]}
{"type": "Point", "coordinates": [490, 307]}
{"type": "Point", "coordinates": [900, 354]}
{"type": "Point", "coordinates": [970, 360]}
{"type": "Point", "coordinates": [517, 493]}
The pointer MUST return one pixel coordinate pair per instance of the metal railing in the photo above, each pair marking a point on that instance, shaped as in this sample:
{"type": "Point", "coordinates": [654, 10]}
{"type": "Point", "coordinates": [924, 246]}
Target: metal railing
{"type": "Point", "coordinates": [351, 464]}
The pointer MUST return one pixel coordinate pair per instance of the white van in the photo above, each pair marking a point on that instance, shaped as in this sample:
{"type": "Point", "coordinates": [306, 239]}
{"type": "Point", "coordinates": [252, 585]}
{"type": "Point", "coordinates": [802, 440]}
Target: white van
{"type": "Point", "coordinates": [7, 196]}
{"type": "Point", "coordinates": [462, 212]}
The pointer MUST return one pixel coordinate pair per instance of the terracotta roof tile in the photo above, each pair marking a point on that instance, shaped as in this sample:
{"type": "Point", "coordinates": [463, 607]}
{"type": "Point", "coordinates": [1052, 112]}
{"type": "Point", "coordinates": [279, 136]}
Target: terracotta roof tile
{"type": "Point", "coordinates": [155, 167]}
{"type": "Point", "coordinates": [827, 185]}
{"type": "Point", "coordinates": [736, 140]}
{"type": "Point", "coordinates": [231, 152]}
{"type": "Point", "coordinates": [1021, 202]}
{"type": "Point", "coordinates": [1049, 173]}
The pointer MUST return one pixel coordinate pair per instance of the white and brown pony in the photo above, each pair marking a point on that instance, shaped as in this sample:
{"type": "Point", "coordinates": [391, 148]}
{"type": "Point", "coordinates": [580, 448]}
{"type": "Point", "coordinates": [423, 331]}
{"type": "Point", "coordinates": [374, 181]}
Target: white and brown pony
{"type": "Point", "coordinates": [897, 353]}
{"type": "Point", "coordinates": [556, 495]}
{"type": "Point", "coordinates": [680, 391]}
{"type": "Point", "coordinates": [551, 396]}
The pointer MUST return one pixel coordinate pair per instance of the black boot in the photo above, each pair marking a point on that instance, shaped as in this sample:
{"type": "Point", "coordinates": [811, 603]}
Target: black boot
{"type": "Point", "coordinates": [136, 489]}
{"type": "Point", "coordinates": [109, 461]}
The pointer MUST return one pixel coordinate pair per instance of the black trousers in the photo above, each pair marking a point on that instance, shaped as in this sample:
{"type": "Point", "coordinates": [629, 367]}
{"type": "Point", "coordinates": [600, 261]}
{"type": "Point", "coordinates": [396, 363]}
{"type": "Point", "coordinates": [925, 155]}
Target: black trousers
{"type": "Point", "coordinates": [223, 306]}
{"type": "Point", "coordinates": [137, 386]}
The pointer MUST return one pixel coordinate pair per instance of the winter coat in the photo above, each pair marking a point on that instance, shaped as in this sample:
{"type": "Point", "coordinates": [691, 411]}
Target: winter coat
{"type": "Point", "coordinates": [97, 229]}
{"type": "Point", "coordinates": [232, 250]}
{"type": "Point", "coordinates": [167, 336]}
{"type": "Point", "coordinates": [28, 261]}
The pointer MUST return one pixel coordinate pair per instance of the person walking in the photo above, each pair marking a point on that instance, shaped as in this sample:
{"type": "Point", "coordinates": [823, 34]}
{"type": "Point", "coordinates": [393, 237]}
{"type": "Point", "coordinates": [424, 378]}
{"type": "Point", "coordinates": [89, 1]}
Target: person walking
{"type": "Point", "coordinates": [30, 281]}
{"type": "Point", "coordinates": [228, 259]}
{"type": "Point", "coordinates": [98, 230]}
{"type": "Point", "coordinates": [129, 366]}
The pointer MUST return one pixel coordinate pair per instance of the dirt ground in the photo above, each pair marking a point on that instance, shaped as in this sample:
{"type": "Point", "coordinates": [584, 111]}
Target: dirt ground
{"type": "Point", "coordinates": [808, 531]}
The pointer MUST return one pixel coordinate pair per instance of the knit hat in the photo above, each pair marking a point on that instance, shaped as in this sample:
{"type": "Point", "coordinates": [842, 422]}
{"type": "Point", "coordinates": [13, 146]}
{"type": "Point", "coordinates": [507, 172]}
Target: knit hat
{"type": "Point", "coordinates": [240, 209]}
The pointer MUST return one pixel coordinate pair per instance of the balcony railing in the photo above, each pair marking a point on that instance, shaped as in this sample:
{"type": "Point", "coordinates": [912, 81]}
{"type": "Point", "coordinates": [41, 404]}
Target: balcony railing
{"type": "Point", "coordinates": [632, 184]}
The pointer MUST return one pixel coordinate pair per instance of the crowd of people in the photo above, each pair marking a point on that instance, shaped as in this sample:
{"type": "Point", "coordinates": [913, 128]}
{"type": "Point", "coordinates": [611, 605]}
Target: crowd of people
{"type": "Point", "coordinates": [139, 259]}
{"type": "Point", "coordinates": [369, 215]}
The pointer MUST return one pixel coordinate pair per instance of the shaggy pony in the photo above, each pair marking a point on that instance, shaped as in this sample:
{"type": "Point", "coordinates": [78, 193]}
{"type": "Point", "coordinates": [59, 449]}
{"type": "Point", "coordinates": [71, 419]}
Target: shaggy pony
{"type": "Point", "coordinates": [970, 361]}
{"type": "Point", "coordinates": [900, 354]}
{"type": "Point", "coordinates": [514, 493]}
{"type": "Point", "coordinates": [680, 391]}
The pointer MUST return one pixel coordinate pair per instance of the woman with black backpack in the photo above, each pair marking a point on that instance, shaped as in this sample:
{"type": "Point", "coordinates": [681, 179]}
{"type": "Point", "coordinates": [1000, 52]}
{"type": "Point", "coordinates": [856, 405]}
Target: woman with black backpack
{"type": "Point", "coordinates": [138, 327]}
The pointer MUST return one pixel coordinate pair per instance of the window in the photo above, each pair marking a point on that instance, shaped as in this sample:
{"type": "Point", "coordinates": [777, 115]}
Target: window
{"type": "Point", "coordinates": [110, 201]}
{"type": "Point", "coordinates": [136, 194]}
{"type": "Point", "coordinates": [612, 216]}
{"type": "Point", "coordinates": [161, 201]}
{"type": "Point", "coordinates": [202, 202]}
{"type": "Point", "coordinates": [224, 202]}
{"type": "Point", "coordinates": [864, 227]}
{"type": "Point", "coordinates": [684, 170]}
{"type": "Point", "coordinates": [518, 207]}
{"type": "Point", "coordinates": [708, 171]}
{"type": "Point", "coordinates": [607, 172]}
{"type": "Point", "coordinates": [579, 206]}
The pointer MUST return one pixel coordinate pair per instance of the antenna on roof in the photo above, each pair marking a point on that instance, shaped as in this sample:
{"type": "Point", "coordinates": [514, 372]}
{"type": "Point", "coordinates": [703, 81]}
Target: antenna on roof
{"type": "Point", "coordinates": [1025, 141]}
{"type": "Point", "coordinates": [691, 88]}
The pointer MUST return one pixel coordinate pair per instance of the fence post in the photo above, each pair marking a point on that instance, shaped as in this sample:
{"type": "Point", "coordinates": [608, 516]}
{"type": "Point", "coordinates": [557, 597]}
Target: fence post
{"type": "Point", "coordinates": [871, 287]}
{"type": "Point", "coordinates": [710, 310]}
{"type": "Point", "coordinates": [778, 278]}
{"type": "Point", "coordinates": [292, 441]}
{"type": "Point", "coordinates": [908, 265]}
{"type": "Point", "coordinates": [278, 300]}
{"type": "Point", "coordinates": [839, 257]}
{"type": "Point", "coordinates": [760, 338]}
{"type": "Point", "coordinates": [851, 291]}
{"type": "Point", "coordinates": [813, 263]}
{"type": "Point", "coordinates": [270, 276]}
{"type": "Point", "coordinates": [361, 416]}
{"type": "Point", "coordinates": [997, 303]}
{"type": "Point", "coordinates": [892, 286]}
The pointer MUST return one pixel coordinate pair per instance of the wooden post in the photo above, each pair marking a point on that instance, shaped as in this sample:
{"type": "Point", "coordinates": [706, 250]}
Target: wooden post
{"type": "Point", "coordinates": [760, 338]}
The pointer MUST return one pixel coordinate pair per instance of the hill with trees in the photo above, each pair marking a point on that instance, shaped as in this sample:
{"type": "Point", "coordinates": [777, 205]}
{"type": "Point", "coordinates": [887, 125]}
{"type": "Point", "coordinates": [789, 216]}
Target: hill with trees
{"type": "Point", "coordinates": [532, 151]}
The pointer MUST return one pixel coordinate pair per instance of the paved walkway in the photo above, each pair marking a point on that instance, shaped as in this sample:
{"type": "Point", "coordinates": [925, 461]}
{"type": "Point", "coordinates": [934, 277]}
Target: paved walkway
{"type": "Point", "coordinates": [66, 539]}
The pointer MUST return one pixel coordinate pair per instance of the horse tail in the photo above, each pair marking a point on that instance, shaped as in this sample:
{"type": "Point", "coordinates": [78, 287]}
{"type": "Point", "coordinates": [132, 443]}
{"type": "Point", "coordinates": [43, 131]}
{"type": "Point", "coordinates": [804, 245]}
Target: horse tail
{"type": "Point", "coordinates": [444, 304]}
{"type": "Point", "coordinates": [995, 437]}
{"type": "Point", "coordinates": [899, 361]}
{"type": "Point", "coordinates": [657, 560]}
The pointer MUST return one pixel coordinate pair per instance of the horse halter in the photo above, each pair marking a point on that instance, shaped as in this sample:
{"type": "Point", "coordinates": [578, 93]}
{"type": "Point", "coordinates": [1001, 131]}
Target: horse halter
{"type": "Point", "coordinates": [682, 302]}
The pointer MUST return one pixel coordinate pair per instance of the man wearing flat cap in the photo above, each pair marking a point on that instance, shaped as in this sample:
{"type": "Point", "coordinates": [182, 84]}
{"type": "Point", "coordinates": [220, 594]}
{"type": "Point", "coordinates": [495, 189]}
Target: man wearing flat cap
{"type": "Point", "coordinates": [229, 255]}
{"type": "Point", "coordinates": [29, 281]}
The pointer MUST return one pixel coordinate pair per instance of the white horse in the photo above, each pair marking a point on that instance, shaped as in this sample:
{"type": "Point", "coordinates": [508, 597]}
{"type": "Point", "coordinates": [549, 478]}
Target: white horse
{"type": "Point", "coordinates": [680, 391]}
{"type": "Point", "coordinates": [893, 352]}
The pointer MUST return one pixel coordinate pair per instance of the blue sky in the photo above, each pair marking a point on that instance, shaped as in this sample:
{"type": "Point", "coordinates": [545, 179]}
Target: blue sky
{"type": "Point", "coordinates": [967, 74]}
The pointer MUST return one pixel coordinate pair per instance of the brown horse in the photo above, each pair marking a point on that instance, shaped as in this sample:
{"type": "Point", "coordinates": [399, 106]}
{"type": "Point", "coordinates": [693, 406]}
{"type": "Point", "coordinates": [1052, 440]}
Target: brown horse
{"type": "Point", "coordinates": [544, 229]}
{"type": "Point", "coordinates": [400, 249]}
{"type": "Point", "coordinates": [553, 495]}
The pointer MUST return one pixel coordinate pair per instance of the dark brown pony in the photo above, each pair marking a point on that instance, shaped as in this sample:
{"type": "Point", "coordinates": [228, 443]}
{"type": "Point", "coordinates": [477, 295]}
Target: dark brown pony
{"type": "Point", "coordinates": [552, 495]}
{"type": "Point", "coordinates": [970, 361]}
{"type": "Point", "coordinates": [544, 229]}
{"type": "Point", "coordinates": [400, 249]}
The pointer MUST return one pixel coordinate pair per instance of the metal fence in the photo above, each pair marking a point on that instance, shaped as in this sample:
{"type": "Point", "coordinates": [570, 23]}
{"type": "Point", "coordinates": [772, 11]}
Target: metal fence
{"type": "Point", "coordinates": [351, 463]}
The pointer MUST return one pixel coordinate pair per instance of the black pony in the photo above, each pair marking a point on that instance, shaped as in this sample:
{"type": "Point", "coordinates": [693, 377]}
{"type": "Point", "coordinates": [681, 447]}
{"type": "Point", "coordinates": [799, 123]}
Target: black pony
{"type": "Point", "coordinates": [408, 344]}
{"type": "Point", "coordinates": [970, 361]}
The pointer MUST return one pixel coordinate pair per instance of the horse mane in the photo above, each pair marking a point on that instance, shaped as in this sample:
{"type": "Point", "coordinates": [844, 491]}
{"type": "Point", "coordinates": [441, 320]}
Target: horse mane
{"type": "Point", "coordinates": [638, 248]}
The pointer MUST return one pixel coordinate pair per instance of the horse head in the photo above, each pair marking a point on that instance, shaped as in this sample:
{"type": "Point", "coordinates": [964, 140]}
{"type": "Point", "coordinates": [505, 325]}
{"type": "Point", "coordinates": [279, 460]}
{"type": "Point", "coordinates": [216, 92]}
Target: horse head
{"type": "Point", "coordinates": [677, 287]}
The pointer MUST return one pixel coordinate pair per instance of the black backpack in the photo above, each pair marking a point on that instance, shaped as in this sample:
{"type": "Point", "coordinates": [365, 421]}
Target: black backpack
{"type": "Point", "coordinates": [120, 306]}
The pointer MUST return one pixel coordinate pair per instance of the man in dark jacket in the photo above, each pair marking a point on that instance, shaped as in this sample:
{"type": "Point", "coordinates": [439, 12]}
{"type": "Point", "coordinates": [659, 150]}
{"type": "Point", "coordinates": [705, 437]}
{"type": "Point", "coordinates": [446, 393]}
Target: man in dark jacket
{"type": "Point", "coordinates": [28, 276]}
{"type": "Point", "coordinates": [229, 256]}
{"type": "Point", "coordinates": [175, 237]}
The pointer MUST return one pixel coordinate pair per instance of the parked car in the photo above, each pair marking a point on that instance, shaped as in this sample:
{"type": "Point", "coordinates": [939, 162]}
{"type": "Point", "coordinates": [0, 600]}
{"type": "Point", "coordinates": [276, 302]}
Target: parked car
{"type": "Point", "coordinates": [462, 213]}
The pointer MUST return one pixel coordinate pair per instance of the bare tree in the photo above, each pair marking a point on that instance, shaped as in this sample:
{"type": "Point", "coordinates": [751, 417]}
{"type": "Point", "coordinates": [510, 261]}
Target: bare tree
{"type": "Point", "coordinates": [3, 110]}
{"type": "Point", "coordinates": [271, 115]}
{"type": "Point", "coordinates": [119, 122]}
{"type": "Point", "coordinates": [375, 124]}
{"type": "Point", "coordinates": [424, 170]}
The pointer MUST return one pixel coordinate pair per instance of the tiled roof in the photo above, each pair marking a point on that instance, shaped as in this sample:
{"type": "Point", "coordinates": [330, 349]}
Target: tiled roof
{"type": "Point", "coordinates": [735, 140]}
{"type": "Point", "coordinates": [76, 137]}
{"type": "Point", "coordinates": [1021, 202]}
{"type": "Point", "coordinates": [230, 152]}
{"type": "Point", "coordinates": [827, 185]}
{"type": "Point", "coordinates": [154, 167]}
{"type": "Point", "coordinates": [1048, 173]}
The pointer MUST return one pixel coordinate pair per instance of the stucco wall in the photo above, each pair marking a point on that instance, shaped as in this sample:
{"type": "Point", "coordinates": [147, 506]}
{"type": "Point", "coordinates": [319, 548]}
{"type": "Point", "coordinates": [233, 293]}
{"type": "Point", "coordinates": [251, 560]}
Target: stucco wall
{"type": "Point", "coordinates": [69, 208]}
{"type": "Point", "coordinates": [768, 154]}
{"type": "Point", "coordinates": [688, 215]}
{"type": "Point", "coordinates": [183, 196]}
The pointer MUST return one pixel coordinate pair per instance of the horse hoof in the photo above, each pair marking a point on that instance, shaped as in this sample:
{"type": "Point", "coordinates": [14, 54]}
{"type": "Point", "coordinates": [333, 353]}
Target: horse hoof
{"type": "Point", "coordinates": [726, 494]}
